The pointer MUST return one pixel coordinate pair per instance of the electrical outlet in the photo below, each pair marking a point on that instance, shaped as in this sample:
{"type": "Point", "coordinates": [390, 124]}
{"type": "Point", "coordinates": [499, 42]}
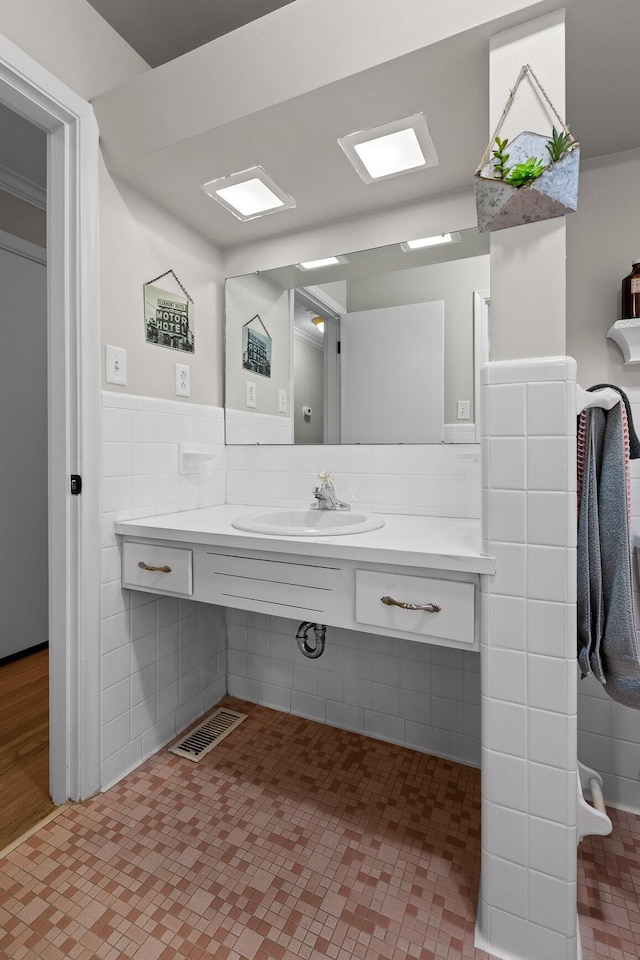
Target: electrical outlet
{"type": "Point", "coordinates": [464, 409]}
{"type": "Point", "coordinates": [115, 365]}
{"type": "Point", "coordinates": [251, 394]}
{"type": "Point", "coordinates": [183, 380]}
{"type": "Point", "coordinates": [282, 401]}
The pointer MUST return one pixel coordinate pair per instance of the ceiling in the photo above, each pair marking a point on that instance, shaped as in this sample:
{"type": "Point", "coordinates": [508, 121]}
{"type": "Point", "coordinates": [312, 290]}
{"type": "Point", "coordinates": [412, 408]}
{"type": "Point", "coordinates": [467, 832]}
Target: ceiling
{"type": "Point", "coordinates": [161, 30]}
{"type": "Point", "coordinates": [295, 139]}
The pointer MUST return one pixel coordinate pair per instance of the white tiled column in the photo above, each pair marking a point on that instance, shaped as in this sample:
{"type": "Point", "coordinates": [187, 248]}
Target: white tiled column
{"type": "Point", "coordinates": [527, 906]}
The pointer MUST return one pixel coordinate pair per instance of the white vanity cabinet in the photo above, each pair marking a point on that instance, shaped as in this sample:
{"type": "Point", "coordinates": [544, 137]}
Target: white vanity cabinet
{"type": "Point", "coordinates": [430, 597]}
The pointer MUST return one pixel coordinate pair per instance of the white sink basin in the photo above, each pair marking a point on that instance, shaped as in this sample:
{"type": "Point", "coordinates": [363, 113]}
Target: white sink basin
{"type": "Point", "coordinates": [308, 523]}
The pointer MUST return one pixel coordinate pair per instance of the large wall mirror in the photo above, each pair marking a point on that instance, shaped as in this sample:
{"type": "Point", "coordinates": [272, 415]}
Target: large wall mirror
{"type": "Point", "coordinates": [382, 346]}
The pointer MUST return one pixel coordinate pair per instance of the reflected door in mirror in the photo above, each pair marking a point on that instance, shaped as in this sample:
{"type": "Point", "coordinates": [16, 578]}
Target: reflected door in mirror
{"type": "Point", "coordinates": [392, 374]}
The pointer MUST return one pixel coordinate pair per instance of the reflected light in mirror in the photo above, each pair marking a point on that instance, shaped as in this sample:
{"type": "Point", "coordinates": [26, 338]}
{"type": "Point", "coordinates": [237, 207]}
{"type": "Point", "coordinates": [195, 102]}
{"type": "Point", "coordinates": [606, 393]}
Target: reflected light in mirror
{"type": "Point", "coordinates": [423, 242]}
{"type": "Point", "coordinates": [319, 322]}
{"type": "Point", "coordinates": [326, 262]}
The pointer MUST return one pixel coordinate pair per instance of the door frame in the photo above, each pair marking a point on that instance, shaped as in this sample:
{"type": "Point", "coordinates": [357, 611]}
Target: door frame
{"type": "Point", "coordinates": [73, 297]}
{"type": "Point", "coordinates": [481, 349]}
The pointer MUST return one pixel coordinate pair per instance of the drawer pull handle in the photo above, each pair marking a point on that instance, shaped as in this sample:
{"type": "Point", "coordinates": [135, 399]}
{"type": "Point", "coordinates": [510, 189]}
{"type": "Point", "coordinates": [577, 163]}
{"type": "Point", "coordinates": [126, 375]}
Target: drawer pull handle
{"type": "Point", "coordinates": [424, 607]}
{"type": "Point", "coordinates": [145, 566]}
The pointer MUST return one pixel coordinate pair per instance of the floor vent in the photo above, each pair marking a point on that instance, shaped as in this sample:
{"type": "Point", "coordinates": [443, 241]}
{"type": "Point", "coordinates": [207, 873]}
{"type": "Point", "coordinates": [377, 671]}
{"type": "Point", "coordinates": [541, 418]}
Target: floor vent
{"type": "Point", "coordinates": [199, 741]}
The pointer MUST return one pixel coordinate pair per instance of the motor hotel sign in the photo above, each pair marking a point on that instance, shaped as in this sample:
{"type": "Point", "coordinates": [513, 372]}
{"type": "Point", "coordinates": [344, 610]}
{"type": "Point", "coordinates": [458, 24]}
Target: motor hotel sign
{"type": "Point", "coordinates": [168, 319]}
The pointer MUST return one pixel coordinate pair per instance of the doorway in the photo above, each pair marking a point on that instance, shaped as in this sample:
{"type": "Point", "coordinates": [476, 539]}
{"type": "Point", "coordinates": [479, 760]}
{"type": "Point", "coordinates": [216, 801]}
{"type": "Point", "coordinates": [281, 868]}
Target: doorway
{"type": "Point", "coordinates": [72, 297]}
{"type": "Point", "coordinates": [24, 600]}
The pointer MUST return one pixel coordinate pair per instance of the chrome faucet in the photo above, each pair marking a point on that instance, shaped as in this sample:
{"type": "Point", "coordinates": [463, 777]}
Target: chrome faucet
{"type": "Point", "coordinates": [325, 494]}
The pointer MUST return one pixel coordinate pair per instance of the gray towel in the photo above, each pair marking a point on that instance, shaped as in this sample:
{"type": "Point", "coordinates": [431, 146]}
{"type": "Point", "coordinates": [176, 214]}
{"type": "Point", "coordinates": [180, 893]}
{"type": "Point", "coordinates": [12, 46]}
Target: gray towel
{"type": "Point", "coordinates": [634, 443]}
{"type": "Point", "coordinates": [607, 644]}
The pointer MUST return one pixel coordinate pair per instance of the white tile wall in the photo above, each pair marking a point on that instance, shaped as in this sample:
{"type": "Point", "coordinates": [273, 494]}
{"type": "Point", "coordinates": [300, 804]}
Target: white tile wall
{"type": "Point", "coordinates": [247, 426]}
{"type": "Point", "coordinates": [609, 733]}
{"type": "Point", "coordinates": [528, 902]}
{"type": "Point", "coordinates": [409, 693]}
{"type": "Point", "coordinates": [427, 479]}
{"type": "Point", "coordinates": [163, 661]}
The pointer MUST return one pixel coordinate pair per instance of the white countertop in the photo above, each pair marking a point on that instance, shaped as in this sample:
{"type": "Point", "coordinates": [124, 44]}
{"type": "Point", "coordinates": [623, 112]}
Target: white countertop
{"type": "Point", "coordinates": [442, 543]}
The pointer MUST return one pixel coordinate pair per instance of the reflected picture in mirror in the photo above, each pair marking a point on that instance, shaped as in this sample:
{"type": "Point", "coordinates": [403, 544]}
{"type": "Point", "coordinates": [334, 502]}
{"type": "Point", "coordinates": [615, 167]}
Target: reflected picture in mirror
{"type": "Point", "coordinates": [380, 346]}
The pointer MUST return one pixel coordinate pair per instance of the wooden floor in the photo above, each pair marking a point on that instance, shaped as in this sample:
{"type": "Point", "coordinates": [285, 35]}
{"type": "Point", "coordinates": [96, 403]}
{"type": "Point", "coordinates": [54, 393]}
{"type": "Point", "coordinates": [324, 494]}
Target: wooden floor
{"type": "Point", "coordinates": [24, 745]}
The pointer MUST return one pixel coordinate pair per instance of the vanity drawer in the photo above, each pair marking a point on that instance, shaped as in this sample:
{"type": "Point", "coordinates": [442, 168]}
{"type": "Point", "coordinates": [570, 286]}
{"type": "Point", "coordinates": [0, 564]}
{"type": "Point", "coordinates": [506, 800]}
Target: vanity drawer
{"type": "Point", "coordinates": [174, 577]}
{"type": "Point", "coordinates": [454, 621]}
{"type": "Point", "coordinates": [266, 583]}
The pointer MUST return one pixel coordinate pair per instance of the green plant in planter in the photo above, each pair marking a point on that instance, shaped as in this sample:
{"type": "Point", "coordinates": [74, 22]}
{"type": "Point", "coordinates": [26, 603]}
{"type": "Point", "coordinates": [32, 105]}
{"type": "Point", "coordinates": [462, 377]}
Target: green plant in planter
{"type": "Point", "coordinates": [501, 158]}
{"type": "Point", "coordinates": [558, 145]}
{"type": "Point", "coordinates": [525, 172]}
{"type": "Point", "coordinates": [521, 173]}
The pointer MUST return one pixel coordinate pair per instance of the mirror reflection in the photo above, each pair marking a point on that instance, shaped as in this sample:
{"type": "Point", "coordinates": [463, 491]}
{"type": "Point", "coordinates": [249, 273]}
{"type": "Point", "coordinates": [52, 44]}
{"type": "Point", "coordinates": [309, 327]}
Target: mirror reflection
{"type": "Point", "coordinates": [380, 347]}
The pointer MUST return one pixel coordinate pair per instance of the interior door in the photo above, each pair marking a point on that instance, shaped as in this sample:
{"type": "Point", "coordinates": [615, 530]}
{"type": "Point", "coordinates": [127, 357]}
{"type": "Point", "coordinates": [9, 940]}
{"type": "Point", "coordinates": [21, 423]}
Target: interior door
{"type": "Point", "coordinates": [24, 588]}
{"type": "Point", "coordinates": [392, 374]}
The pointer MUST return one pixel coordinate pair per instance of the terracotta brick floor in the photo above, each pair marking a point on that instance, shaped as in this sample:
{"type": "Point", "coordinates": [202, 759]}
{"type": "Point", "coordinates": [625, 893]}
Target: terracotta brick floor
{"type": "Point", "coordinates": [289, 840]}
{"type": "Point", "coordinates": [609, 891]}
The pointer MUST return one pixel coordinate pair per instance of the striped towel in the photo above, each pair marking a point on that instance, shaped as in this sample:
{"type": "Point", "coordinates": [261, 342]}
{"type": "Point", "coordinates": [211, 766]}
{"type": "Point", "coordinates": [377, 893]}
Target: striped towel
{"type": "Point", "coordinates": [607, 643]}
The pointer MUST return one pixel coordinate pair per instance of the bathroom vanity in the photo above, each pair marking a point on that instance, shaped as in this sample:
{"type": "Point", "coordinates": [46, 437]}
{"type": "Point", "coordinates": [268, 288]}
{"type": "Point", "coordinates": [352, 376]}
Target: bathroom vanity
{"type": "Point", "coordinates": [426, 568]}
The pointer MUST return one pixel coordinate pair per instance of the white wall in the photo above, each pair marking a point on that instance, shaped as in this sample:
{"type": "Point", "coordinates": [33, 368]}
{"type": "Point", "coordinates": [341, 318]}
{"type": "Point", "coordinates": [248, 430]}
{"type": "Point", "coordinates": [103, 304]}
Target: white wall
{"type": "Point", "coordinates": [139, 241]}
{"type": "Point", "coordinates": [452, 282]}
{"type": "Point", "coordinates": [602, 240]}
{"type": "Point", "coordinates": [528, 281]}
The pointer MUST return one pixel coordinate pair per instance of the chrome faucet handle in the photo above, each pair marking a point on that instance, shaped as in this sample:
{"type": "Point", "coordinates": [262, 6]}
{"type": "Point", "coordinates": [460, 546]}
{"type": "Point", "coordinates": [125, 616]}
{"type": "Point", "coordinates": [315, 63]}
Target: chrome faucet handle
{"type": "Point", "coordinates": [325, 494]}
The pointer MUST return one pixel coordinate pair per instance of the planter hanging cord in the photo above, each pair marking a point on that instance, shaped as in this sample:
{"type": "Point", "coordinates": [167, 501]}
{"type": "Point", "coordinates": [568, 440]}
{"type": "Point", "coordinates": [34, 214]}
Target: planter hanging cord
{"type": "Point", "coordinates": [526, 69]}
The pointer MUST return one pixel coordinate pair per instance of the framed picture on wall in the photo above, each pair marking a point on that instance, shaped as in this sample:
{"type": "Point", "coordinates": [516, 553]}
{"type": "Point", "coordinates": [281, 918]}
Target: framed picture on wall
{"type": "Point", "coordinates": [168, 318]}
{"type": "Point", "coordinates": [256, 349]}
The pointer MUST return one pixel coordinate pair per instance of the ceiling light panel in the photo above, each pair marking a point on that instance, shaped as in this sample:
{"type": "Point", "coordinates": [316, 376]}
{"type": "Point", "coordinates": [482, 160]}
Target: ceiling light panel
{"type": "Point", "coordinates": [249, 194]}
{"type": "Point", "coordinates": [402, 146]}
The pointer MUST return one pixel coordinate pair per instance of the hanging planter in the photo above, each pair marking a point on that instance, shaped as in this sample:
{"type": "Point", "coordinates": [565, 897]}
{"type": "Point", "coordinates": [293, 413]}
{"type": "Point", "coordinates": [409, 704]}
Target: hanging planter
{"type": "Point", "coordinates": [529, 178]}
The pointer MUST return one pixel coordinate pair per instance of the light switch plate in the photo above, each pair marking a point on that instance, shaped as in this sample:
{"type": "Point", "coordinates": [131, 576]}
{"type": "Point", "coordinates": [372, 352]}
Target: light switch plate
{"type": "Point", "coordinates": [115, 365]}
{"type": "Point", "coordinates": [251, 394]}
{"type": "Point", "coordinates": [282, 401]}
{"type": "Point", "coordinates": [183, 380]}
{"type": "Point", "coordinates": [464, 409]}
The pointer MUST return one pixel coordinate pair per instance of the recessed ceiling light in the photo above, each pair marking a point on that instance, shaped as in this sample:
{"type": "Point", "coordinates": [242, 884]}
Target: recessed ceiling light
{"type": "Point", "coordinates": [402, 146]}
{"type": "Point", "coordinates": [325, 262]}
{"type": "Point", "coordinates": [423, 242]}
{"type": "Point", "coordinates": [249, 194]}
